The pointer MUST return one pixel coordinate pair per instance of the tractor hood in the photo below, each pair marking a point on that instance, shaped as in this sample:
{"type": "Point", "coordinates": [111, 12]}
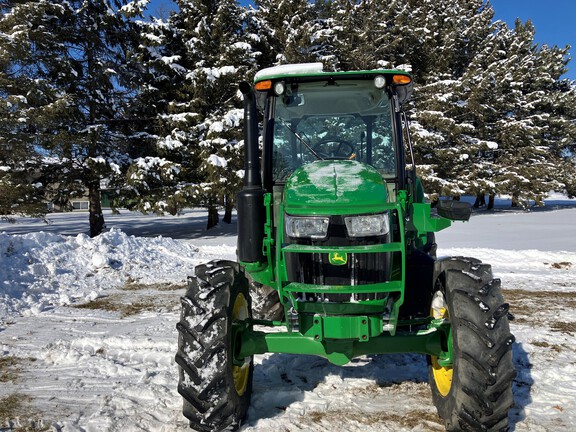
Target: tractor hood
{"type": "Point", "coordinates": [335, 187]}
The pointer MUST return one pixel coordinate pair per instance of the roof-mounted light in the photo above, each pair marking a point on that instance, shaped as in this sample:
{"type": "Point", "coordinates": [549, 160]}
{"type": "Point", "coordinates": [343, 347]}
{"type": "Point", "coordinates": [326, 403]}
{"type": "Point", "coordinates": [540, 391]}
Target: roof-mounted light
{"type": "Point", "coordinates": [379, 81]}
{"type": "Point", "coordinates": [263, 85]}
{"type": "Point", "coordinates": [279, 88]}
{"type": "Point", "coordinates": [401, 79]}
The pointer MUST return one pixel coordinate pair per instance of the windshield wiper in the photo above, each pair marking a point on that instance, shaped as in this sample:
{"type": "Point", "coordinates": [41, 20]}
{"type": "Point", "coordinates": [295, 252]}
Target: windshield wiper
{"type": "Point", "coordinates": [302, 140]}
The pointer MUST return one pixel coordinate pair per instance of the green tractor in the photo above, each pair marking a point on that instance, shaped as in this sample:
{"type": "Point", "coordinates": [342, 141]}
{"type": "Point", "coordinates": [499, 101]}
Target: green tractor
{"type": "Point", "coordinates": [336, 244]}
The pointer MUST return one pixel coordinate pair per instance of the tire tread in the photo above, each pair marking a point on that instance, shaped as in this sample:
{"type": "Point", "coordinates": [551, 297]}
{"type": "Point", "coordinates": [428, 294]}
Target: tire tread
{"type": "Point", "coordinates": [481, 393]}
{"type": "Point", "coordinates": [206, 384]}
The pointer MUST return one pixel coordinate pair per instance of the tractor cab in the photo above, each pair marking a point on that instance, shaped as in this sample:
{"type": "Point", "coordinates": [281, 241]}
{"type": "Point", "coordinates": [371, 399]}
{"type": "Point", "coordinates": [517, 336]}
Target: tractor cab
{"type": "Point", "coordinates": [312, 116]}
{"type": "Point", "coordinates": [333, 160]}
{"type": "Point", "coordinates": [333, 177]}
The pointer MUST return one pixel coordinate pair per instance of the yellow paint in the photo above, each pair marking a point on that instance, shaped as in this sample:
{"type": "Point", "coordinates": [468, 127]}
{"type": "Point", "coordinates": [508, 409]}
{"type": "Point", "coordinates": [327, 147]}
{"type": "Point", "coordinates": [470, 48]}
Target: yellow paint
{"type": "Point", "coordinates": [442, 374]}
{"type": "Point", "coordinates": [240, 373]}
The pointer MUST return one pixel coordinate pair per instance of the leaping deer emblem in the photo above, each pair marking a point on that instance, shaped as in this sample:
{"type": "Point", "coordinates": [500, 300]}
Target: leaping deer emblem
{"type": "Point", "coordinates": [337, 258]}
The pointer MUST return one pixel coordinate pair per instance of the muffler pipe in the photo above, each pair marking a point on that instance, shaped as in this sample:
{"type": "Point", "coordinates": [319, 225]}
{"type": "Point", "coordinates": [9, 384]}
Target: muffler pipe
{"type": "Point", "coordinates": [250, 200]}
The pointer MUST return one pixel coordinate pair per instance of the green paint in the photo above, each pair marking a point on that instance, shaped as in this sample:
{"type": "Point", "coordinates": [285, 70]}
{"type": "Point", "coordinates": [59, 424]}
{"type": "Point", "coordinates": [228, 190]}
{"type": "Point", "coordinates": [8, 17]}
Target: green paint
{"type": "Point", "coordinates": [343, 330]}
{"type": "Point", "coordinates": [335, 187]}
{"type": "Point", "coordinates": [340, 351]}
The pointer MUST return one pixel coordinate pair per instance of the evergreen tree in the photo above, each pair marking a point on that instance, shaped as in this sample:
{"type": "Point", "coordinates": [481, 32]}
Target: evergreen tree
{"type": "Point", "coordinates": [162, 160]}
{"type": "Point", "coordinates": [482, 118]}
{"type": "Point", "coordinates": [284, 30]}
{"type": "Point", "coordinates": [552, 105]}
{"type": "Point", "coordinates": [368, 33]}
{"type": "Point", "coordinates": [152, 108]}
{"type": "Point", "coordinates": [223, 56]}
{"type": "Point", "coordinates": [483, 113]}
{"type": "Point", "coordinates": [526, 168]}
{"type": "Point", "coordinates": [21, 97]}
{"type": "Point", "coordinates": [20, 186]}
{"type": "Point", "coordinates": [451, 142]}
{"type": "Point", "coordinates": [195, 61]}
{"type": "Point", "coordinates": [80, 53]}
{"type": "Point", "coordinates": [505, 99]}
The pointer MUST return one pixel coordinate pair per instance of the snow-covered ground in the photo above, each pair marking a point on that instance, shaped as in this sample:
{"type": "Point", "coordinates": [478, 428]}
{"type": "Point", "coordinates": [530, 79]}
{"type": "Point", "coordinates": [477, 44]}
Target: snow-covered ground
{"type": "Point", "coordinates": [87, 330]}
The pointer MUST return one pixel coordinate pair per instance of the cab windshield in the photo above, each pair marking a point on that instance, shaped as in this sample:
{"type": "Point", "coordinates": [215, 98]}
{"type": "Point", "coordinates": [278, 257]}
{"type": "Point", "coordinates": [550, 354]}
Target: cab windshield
{"type": "Point", "coordinates": [334, 120]}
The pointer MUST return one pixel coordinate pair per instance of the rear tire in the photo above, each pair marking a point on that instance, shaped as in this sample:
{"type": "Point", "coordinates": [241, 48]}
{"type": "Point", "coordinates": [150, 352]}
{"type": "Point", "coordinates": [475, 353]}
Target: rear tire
{"type": "Point", "coordinates": [475, 393]}
{"type": "Point", "coordinates": [216, 392]}
{"type": "Point", "coordinates": [266, 303]}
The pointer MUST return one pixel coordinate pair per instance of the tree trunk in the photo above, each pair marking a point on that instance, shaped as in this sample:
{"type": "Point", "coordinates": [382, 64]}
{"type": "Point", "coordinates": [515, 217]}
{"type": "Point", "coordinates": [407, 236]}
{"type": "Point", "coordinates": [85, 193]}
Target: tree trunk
{"type": "Point", "coordinates": [96, 217]}
{"type": "Point", "coordinates": [491, 198]}
{"type": "Point", "coordinates": [515, 202]}
{"type": "Point", "coordinates": [213, 217]}
{"type": "Point", "coordinates": [228, 206]}
{"type": "Point", "coordinates": [480, 201]}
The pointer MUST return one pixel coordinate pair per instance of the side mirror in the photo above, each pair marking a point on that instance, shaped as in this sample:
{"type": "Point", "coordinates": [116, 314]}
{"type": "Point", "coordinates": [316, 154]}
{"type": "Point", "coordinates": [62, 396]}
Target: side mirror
{"type": "Point", "coordinates": [454, 210]}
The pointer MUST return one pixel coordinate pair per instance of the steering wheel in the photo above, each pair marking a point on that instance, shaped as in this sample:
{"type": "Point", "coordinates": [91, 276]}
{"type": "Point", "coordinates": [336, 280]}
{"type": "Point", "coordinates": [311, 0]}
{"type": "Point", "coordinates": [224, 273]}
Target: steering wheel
{"type": "Point", "coordinates": [335, 148]}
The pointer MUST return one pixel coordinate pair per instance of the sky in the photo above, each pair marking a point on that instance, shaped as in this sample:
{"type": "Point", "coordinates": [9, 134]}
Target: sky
{"type": "Point", "coordinates": [554, 22]}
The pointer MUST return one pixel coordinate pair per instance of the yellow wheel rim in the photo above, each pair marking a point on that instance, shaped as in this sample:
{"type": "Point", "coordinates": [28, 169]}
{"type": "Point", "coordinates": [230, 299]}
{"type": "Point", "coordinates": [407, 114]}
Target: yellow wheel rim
{"type": "Point", "coordinates": [241, 373]}
{"type": "Point", "coordinates": [442, 374]}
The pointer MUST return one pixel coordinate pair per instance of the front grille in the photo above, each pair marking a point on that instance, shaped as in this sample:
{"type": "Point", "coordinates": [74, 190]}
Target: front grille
{"type": "Point", "coordinates": [360, 269]}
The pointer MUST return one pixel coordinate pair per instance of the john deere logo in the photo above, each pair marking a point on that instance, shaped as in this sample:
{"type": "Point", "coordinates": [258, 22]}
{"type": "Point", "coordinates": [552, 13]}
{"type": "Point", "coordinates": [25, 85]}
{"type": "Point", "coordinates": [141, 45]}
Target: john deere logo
{"type": "Point", "coordinates": [338, 258]}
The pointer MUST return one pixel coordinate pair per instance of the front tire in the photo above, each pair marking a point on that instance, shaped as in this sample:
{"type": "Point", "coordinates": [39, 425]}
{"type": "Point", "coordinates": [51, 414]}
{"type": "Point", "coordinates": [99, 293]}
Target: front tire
{"type": "Point", "coordinates": [475, 392]}
{"type": "Point", "coordinates": [216, 391]}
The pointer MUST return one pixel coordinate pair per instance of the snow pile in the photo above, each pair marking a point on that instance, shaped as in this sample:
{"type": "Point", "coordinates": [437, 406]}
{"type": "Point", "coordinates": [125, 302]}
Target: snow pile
{"type": "Point", "coordinates": [41, 270]}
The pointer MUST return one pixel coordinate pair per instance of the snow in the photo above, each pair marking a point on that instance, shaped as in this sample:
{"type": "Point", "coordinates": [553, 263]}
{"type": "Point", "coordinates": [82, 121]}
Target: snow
{"type": "Point", "coordinates": [212, 74]}
{"type": "Point", "coordinates": [216, 127]}
{"type": "Point", "coordinates": [152, 38]}
{"type": "Point", "coordinates": [242, 46]}
{"type": "Point", "coordinates": [111, 366]}
{"type": "Point", "coordinates": [170, 143]}
{"type": "Point", "coordinates": [298, 68]}
{"type": "Point", "coordinates": [149, 162]}
{"type": "Point", "coordinates": [134, 7]}
{"type": "Point", "coordinates": [217, 161]}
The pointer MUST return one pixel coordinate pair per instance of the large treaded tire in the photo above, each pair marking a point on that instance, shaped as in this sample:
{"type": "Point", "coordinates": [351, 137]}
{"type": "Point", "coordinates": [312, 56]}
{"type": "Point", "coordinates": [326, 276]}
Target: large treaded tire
{"type": "Point", "coordinates": [216, 393]}
{"type": "Point", "coordinates": [479, 395]}
{"type": "Point", "coordinates": [266, 304]}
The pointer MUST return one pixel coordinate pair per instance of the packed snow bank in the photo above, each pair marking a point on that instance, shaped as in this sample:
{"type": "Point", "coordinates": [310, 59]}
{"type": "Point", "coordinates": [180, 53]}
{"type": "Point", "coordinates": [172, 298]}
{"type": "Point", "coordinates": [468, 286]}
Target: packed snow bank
{"type": "Point", "coordinates": [42, 270]}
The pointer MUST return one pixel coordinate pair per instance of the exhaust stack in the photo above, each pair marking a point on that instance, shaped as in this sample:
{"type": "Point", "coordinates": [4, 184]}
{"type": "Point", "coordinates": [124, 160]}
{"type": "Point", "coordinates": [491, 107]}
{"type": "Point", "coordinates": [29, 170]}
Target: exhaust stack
{"type": "Point", "coordinates": [250, 201]}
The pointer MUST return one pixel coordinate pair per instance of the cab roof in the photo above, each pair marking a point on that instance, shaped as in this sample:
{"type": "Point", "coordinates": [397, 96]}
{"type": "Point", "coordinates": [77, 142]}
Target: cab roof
{"type": "Point", "coordinates": [316, 69]}
{"type": "Point", "coordinates": [400, 80]}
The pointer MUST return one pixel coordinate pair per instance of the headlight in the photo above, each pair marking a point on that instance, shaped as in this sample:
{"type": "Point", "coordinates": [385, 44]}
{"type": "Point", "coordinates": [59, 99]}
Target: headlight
{"type": "Point", "coordinates": [369, 225]}
{"type": "Point", "coordinates": [307, 227]}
